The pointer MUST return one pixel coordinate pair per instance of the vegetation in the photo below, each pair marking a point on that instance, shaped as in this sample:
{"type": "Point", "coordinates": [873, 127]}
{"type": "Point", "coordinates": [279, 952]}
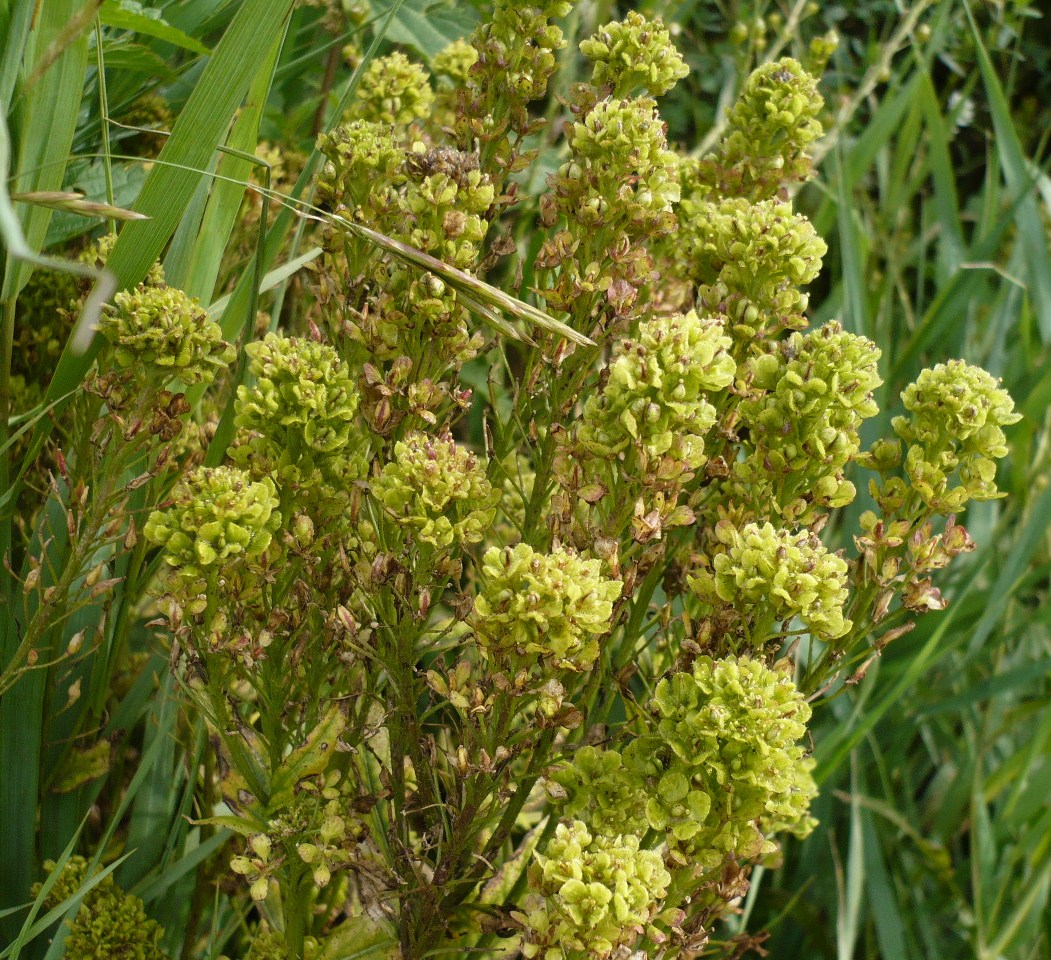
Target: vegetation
{"type": "Point", "coordinates": [547, 481]}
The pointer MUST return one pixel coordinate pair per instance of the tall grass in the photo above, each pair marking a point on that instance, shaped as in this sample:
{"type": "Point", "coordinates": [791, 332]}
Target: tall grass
{"type": "Point", "coordinates": [933, 195]}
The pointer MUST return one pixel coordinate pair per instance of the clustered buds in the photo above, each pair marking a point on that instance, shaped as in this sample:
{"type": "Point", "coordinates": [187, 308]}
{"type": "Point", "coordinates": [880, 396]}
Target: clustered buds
{"type": "Point", "coordinates": [810, 394]}
{"type": "Point", "coordinates": [455, 61]}
{"type": "Point", "coordinates": [728, 731]}
{"type": "Point", "coordinates": [768, 576]}
{"type": "Point", "coordinates": [436, 490]}
{"type": "Point", "coordinates": [109, 923]}
{"type": "Point", "coordinates": [446, 203]}
{"type": "Point", "coordinates": [590, 893]}
{"type": "Point", "coordinates": [655, 401]}
{"type": "Point", "coordinates": [750, 260]}
{"type": "Point", "coordinates": [770, 127]}
{"type": "Point", "coordinates": [299, 415]}
{"type": "Point", "coordinates": [954, 429]}
{"type": "Point", "coordinates": [620, 170]}
{"type": "Point", "coordinates": [601, 786]}
{"type": "Point", "coordinates": [554, 605]}
{"type": "Point", "coordinates": [164, 333]}
{"type": "Point", "coordinates": [362, 161]}
{"type": "Point", "coordinates": [632, 54]}
{"type": "Point", "coordinates": [393, 89]}
{"type": "Point", "coordinates": [218, 516]}
{"type": "Point", "coordinates": [516, 57]}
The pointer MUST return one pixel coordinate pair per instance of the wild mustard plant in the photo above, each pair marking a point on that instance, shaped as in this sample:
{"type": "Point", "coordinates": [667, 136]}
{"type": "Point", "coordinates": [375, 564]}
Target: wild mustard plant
{"type": "Point", "coordinates": [546, 677]}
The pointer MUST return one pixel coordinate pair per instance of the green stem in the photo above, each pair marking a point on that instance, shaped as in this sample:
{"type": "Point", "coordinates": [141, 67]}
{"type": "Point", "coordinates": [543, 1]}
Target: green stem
{"type": "Point", "coordinates": [107, 165]}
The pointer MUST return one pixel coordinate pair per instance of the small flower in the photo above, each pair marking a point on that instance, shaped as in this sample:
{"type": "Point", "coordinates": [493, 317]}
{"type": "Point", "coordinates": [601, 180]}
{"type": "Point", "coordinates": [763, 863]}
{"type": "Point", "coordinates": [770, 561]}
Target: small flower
{"type": "Point", "coordinates": [393, 90]}
{"type": "Point", "coordinates": [300, 414]}
{"type": "Point", "coordinates": [769, 575]}
{"type": "Point", "coordinates": [555, 605]}
{"type": "Point", "coordinates": [437, 490]}
{"type": "Point", "coordinates": [590, 894]}
{"type": "Point", "coordinates": [636, 53]}
{"type": "Point", "coordinates": [655, 401]}
{"type": "Point", "coordinates": [218, 516]}
{"type": "Point", "coordinates": [163, 332]}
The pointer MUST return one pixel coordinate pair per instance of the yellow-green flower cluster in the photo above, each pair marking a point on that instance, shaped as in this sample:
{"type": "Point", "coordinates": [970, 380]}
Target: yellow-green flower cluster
{"type": "Point", "coordinates": [109, 924]}
{"type": "Point", "coordinates": [437, 490]}
{"type": "Point", "coordinates": [957, 413]}
{"type": "Point", "coordinates": [162, 332]}
{"type": "Point", "coordinates": [724, 761]}
{"type": "Point", "coordinates": [634, 54]}
{"type": "Point", "coordinates": [363, 160]}
{"type": "Point", "coordinates": [810, 396]}
{"type": "Point", "coordinates": [601, 787]}
{"type": "Point", "coordinates": [516, 57]}
{"type": "Point", "coordinates": [554, 605]}
{"type": "Point", "coordinates": [218, 516]}
{"type": "Point", "coordinates": [768, 575]}
{"type": "Point", "coordinates": [455, 61]}
{"type": "Point", "coordinates": [620, 170]}
{"type": "Point", "coordinates": [590, 894]}
{"type": "Point", "coordinates": [655, 401]}
{"type": "Point", "coordinates": [299, 415]}
{"type": "Point", "coordinates": [446, 202]}
{"type": "Point", "coordinates": [751, 259]}
{"type": "Point", "coordinates": [769, 129]}
{"type": "Point", "coordinates": [393, 90]}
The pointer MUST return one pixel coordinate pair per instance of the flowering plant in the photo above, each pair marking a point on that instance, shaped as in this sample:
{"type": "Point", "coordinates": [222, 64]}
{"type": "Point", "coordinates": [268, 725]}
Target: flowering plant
{"type": "Point", "coordinates": [507, 639]}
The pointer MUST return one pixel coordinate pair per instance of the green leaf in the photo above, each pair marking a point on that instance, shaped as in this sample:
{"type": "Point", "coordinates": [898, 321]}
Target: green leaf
{"type": "Point", "coordinates": [122, 15]}
{"type": "Point", "coordinates": [428, 26]}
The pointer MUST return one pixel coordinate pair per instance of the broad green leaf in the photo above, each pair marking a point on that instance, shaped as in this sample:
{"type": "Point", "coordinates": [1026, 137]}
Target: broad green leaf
{"type": "Point", "coordinates": [428, 26]}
